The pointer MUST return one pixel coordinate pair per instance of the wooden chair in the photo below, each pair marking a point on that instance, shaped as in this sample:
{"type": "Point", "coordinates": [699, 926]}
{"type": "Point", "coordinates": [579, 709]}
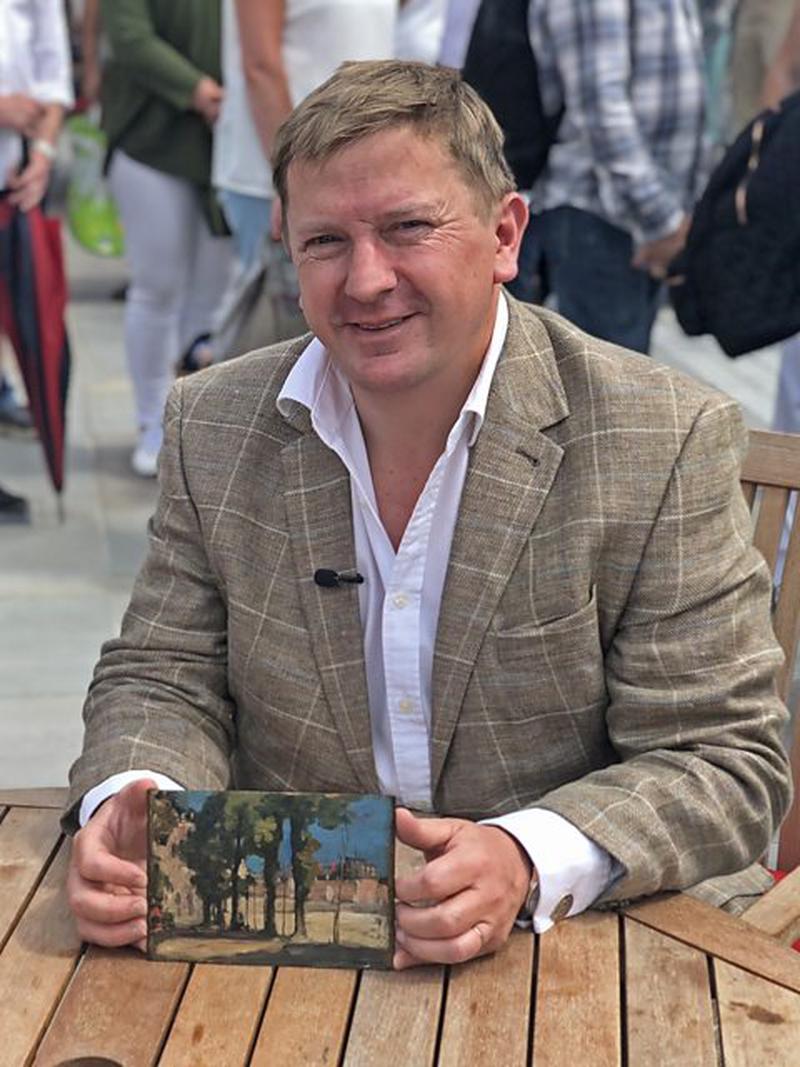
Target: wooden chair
{"type": "Point", "coordinates": [771, 471]}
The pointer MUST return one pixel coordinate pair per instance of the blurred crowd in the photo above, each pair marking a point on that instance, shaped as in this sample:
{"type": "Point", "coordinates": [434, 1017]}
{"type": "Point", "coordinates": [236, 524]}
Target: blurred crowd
{"type": "Point", "coordinates": [638, 97]}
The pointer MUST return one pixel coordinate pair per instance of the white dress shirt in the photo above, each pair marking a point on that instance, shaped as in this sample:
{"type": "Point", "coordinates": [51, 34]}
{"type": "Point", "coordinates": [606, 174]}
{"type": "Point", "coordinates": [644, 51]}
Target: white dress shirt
{"type": "Point", "coordinates": [34, 60]}
{"type": "Point", "coordinates": [399, 602]}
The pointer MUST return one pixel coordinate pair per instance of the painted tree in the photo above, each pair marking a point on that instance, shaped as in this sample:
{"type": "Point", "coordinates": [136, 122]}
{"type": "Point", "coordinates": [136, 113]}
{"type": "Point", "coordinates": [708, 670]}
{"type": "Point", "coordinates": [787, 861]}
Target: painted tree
{"type": "Point", "coordinates": [204, 853]}
{"type": "Point", "coordinates": [326, 812]}
{"type": "Point", "coordinates": [238, 825]}
{"type": "Point", "coordinates": [267, 838]}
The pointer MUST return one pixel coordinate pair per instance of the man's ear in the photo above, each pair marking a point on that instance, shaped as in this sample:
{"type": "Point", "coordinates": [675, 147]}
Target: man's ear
{"type": "Point", "coordinates": [512, 218]}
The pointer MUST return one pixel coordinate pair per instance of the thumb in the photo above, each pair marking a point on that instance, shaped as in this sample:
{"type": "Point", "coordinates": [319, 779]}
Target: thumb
{"type": "Point", "coordinates": [427, 835]}
{"type": "Point", "coordinates": [131, 802]}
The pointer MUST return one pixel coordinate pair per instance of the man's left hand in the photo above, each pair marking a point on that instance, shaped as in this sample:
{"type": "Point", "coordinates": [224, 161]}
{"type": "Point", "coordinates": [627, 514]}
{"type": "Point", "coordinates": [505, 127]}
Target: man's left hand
{"type": "Point", "coordinates": [465, 899]}
{"type": "Point", "coordinates": [656, 256]}
{"type": "Point", "coordinates": [29, 186]}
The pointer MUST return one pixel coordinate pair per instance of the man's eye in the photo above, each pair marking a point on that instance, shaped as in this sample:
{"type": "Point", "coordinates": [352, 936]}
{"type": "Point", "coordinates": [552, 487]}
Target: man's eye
{"type": "Point", "coordinates": [410, 225]}
{"type": "Point", "coordinates": [320, 240]}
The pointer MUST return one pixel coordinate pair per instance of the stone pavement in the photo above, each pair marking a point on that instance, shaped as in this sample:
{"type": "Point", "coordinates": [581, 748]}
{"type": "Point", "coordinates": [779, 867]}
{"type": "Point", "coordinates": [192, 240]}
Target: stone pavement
{"type": "Point", "coordinates": [63, 586]}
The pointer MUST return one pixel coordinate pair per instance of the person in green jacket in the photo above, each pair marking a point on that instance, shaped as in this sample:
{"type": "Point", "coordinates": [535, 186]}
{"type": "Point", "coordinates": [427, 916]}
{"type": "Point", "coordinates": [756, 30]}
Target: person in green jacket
{"type": "Point", "coordinates": [161, 96]}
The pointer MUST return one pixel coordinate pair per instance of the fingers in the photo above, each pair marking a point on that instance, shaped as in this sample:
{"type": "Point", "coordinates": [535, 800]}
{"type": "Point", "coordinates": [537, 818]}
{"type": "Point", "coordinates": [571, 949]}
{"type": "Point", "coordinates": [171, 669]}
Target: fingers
{"type": "Point", "coordinates": [114, 936]}
{"type": "Point", "coordinates": [96, 904]}
{"type": "Point", "coordinates": [105, 914]}
{"type": "Point", "coordinates": [106, 884]}
{"type": "Point", "coordinates": [413, 952]}
{"type": "Point", "coordinates": [450, 918]}
{"type": "Point", "coordinates": [472, 892]}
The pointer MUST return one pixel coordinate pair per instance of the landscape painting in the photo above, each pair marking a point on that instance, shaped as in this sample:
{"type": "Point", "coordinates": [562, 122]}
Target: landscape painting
{"type": "Point", "coordinates": [271, 878]}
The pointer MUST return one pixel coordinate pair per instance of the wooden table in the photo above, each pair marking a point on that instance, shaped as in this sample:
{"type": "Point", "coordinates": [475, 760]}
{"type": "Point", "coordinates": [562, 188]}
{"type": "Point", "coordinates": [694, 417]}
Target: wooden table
{"type": "Point", "coordinates": [671, 982]}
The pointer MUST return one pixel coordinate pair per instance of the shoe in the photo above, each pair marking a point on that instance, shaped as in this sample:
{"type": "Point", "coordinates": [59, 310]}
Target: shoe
{"type": "Point", "coordinates": [15, 418]}
{"type": "Point", "coordinates": [13, 508]}
{"type": "Point", "coordinates": [144, 460]}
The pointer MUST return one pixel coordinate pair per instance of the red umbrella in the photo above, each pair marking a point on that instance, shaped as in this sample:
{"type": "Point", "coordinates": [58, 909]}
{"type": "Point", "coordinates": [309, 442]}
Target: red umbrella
{"type": "Point", "coordinates": [33, 298]}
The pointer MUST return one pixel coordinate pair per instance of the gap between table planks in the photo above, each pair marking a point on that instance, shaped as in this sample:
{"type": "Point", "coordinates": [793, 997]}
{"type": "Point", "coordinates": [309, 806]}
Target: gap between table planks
{"type": "Point", "coordinates": [118, 1005]}
{"type": "Point", "coordinates": [396, 1019]}
{"type": "Point", "coordinates": [28, 839]}
{"type": "Point", "coordinates": [668, 999]}
{"type": "Point", "coordinates": [36, 965]}
{"type": "Point", "coordinates": [578, 1009]}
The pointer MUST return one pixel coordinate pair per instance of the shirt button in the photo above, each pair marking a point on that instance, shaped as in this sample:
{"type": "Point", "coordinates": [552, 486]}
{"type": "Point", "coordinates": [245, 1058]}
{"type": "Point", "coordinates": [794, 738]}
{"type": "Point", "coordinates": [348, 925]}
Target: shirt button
{"type": "Point", "coordinates": [400, 600]}
{"type": "Point", "coordinates": [406, 705]}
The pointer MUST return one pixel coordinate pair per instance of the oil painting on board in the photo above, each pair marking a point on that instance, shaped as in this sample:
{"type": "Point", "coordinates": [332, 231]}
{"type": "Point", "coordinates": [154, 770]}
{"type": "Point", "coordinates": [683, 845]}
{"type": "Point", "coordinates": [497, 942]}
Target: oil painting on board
{"type": "Point", "coordinates": [271, 878]}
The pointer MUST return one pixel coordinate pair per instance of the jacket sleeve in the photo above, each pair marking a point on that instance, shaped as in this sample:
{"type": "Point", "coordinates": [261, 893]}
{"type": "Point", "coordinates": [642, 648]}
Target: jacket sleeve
{"type": "Point", "coordinates": [148, 58]}
{"type": "Point", "coordinates": [702, 779]}
{"type": "Point", "coordinates": [159, 697]}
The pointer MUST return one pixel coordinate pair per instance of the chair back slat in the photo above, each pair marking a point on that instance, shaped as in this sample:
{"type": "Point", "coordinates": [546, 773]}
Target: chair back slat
{"type": "Point", "coordinates": [770, 517]}
{"type": "Point", "coordinates": [787, 610]}
{"type": "Point", "coordinates": [770, 482]}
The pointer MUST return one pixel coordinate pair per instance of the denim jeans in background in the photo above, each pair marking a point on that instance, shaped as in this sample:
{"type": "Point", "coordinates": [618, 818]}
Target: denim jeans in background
{"type": "Point", "coordinates": [585, 263]}
{"type": "Point", "coordinates": [248, 218]}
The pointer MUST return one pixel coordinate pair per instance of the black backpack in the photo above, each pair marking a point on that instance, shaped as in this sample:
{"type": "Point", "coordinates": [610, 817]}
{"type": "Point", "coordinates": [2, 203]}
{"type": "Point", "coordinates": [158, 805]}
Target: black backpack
{"type": "Point", "coordinates": [501, 66]}
{"type": "Point", "coordinates": [739, 276]}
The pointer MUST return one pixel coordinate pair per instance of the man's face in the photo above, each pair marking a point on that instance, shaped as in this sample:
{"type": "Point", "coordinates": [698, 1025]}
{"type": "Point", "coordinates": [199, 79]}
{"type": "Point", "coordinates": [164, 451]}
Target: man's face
{"type": "Point", "coordinates": [398, 266]}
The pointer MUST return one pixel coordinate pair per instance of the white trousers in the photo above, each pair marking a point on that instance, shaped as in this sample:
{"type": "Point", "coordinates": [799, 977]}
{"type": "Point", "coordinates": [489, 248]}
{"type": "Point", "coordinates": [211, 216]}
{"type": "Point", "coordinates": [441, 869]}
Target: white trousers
{"type": "Point", "coordinates": [178, 274]}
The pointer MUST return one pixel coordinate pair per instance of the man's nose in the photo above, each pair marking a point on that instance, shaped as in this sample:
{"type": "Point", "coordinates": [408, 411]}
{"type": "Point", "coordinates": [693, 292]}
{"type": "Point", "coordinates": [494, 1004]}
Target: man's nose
{"type": "Point", "coordinates": [370, 271]}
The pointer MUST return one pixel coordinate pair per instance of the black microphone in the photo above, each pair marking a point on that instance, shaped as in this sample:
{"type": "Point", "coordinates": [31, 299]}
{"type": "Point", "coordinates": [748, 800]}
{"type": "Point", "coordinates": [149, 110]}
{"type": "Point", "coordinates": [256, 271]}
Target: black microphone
{"type": "Point", "coordinates": [333, 579]}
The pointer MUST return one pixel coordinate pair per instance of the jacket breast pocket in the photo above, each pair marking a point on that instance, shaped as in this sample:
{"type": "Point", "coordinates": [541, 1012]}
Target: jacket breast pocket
{"type": "Point", "coordinates": [556, 665]}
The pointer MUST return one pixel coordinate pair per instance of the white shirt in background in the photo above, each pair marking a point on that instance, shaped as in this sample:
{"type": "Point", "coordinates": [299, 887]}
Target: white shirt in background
{"type": "Point", "coordinates": [318, 35]}
{"type": "Point", "coordinates": [34, 60]}
{"type": "Point", "coordinates": [420, 24]}
{"type": "Point", "coordinates": [459, 20]}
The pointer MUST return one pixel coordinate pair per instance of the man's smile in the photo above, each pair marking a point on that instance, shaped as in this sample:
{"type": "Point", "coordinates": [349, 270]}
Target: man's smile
{"type": "Point", "coordinates": [380, 325]}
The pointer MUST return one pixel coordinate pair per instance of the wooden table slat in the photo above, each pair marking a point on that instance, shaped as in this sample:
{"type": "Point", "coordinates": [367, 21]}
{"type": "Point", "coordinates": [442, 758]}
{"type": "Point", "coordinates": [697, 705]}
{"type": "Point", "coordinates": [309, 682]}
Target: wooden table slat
{"type": "Point", "coordinates": [306, 1018]}
{"type": "Point", "coordinates": [720, 935]}
{"type": "Point", "coordinates": [759, 1023]}
{"type": "Point", "coordinates": [228, 992]}
{"type": "Point", "coordinates": [35, 966]}
{"type": "Point", "coordinates": [396, 1019]}
{"type": "Point", "coordinates": [578, 1004]}
{"type": "Point", "coordinates": [28, 839]}
{"type": "Point", "coordinates": [34, 798]}
{"type": "Point", "coordinates": [487, 1014]}
{"type": "Point", "coordinates": [670, 1018]}
{"type": "Point", "coordinates": [118, 1005]}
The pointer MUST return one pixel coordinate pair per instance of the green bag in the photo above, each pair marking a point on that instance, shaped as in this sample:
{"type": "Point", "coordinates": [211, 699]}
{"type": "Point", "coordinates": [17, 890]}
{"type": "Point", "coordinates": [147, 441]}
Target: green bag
{"type": "Point", "coordinates": [92, 215]}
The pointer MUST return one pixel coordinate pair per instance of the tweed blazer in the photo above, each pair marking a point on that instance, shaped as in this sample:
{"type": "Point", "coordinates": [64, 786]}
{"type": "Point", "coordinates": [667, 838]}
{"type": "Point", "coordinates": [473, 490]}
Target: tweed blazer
{"type": "Point", "coordinates": [604, 647]}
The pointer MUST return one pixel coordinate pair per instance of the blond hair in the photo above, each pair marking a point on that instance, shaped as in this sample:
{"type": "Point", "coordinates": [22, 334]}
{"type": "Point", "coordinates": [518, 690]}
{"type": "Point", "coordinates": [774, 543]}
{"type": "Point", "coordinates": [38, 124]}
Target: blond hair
{"type": "Point", "coordinates": [364, 98]}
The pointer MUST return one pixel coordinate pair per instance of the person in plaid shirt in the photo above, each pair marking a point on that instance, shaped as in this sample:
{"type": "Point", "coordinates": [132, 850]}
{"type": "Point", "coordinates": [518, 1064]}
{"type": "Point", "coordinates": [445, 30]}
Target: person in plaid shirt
{"type": "Point", "coordinates": [612, 206]}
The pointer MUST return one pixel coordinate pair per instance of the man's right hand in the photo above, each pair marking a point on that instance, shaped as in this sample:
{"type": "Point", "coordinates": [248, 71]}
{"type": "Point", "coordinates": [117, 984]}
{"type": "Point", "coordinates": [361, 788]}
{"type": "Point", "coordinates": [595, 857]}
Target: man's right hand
{"type": "Point", "coordinates": [107, 879]}
{"type": "Point", "coordinates": [21, 113]}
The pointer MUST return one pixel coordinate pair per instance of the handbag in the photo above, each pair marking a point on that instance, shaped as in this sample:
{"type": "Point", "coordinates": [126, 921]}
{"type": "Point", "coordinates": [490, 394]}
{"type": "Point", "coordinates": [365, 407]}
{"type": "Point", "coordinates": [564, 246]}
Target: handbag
{"type": "Point", "coordinates": [738, 277]}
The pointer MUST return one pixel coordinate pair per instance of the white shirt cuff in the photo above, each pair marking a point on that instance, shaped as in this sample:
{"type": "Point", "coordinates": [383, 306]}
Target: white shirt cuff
{"type": "Point", "coordinates": [567, 862]}
{"type": "Point", "coordinates": [107, 788]}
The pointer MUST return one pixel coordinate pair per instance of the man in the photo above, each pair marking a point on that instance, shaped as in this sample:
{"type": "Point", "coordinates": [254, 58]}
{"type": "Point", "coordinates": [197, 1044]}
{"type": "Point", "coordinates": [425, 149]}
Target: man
{"type": "Point", "coordinates": [612, 207]}
{"type": "Point", "coordinates": [561, 626]}
{"type": "Point", "coordinates": [35, 88]}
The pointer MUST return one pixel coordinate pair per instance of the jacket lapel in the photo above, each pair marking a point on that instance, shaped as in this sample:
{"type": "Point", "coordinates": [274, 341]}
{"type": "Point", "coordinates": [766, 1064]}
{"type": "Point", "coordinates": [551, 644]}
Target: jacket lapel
{"type": "Point", "coordinates": [317, 500]}
{"type": "Point", "coordinates": [511, 470]}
